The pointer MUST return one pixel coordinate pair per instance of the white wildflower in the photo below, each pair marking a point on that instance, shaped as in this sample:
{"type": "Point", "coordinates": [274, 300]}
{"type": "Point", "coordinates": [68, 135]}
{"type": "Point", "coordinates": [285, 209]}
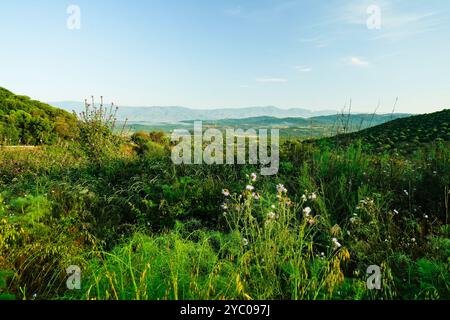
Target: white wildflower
{"type": "Point", "coordinates": [271, 215]}
{"type": "Point", "coordinates": [336, 243]}
{"type": "Point", "coordinates": [281, 189]}
{"type": "Point", "coordinates": [307, 211]}
{"type": "Point", "coordinates": [250, 188]}
{"type": "Point", "coordinates": [253, 177]}
{"type": "Point", "coordinates": [225, 192]}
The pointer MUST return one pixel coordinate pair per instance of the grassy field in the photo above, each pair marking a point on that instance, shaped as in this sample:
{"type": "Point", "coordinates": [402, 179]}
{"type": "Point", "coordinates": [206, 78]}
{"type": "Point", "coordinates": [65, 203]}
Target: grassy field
{"type": "Point", "coordinates": [140, 227]}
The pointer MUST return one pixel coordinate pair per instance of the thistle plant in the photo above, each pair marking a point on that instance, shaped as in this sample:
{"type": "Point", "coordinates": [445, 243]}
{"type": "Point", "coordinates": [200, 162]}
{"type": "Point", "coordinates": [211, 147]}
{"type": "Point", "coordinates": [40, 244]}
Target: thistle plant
{"type": "Point", "coordinates": [98, 133]}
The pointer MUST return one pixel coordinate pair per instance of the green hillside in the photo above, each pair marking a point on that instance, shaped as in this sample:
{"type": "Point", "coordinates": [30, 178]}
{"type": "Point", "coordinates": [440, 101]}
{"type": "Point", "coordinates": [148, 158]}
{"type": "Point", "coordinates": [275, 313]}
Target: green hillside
{"type": "Point", "coordinates": [261, 121]}
{"type": "Point", "coordinates": [401, 134]}
{"type": "Point", "coordinates": [24, 121]}
{"type": "Point", "coordinates": [360, 120]}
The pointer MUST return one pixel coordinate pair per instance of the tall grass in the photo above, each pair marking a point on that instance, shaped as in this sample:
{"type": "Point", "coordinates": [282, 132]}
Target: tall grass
{"type": "Point", "coordinates": [141, 228]}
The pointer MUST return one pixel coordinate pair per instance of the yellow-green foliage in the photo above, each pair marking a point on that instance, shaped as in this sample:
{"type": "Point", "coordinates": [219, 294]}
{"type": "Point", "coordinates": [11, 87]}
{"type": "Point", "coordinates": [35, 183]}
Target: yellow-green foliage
{"type": "Point", "coordinates": [26, 121]}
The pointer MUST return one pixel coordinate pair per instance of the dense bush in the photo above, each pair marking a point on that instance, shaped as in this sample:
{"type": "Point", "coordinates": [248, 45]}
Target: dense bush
{"type": "Point", "coordinates": [28, 122]}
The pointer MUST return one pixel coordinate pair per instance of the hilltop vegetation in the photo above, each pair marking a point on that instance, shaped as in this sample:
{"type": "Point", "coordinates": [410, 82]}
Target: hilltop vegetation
{"type": "Point", "coordinates": [140, 227]}
{"type": "Point", "coordinates": [29, 122]}
{"type": "Point", "coordinates": [402, 135]}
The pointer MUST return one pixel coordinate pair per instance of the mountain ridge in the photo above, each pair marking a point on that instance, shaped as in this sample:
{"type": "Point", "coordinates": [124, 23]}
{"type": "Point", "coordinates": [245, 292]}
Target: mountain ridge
{"type": "Point", "coordinates": [173, 114]}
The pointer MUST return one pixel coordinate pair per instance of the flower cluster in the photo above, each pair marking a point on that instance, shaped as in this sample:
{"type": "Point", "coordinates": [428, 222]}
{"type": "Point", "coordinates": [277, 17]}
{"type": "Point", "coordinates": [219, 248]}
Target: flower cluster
{"type": "Point", "coordinates": [309, 196]}
{"type": "Point", "coordinates": [336, 244]}
{"type": "Point", "coordinates": [271, 216]}
{"type": "Point", "coordinates": [281, 189]}
{"type": "Point", "coordinates": [367, 202]}
{"type": "Point", "coordinates": [307, 213]}
{"type": "Point", "coordinates": [354, 219]}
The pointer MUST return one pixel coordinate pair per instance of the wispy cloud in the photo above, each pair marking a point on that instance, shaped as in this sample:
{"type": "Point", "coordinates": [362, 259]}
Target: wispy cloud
{"type": "Point", "coordinates": [358, 62]}
{"type": "Point", "coordinates": [235, 11]}
{"type": "Point", "coordinates": [303, 68]}
{"type": "Point", "coordinates": [318, 42]}
{"type": "Point", "coordinates": [271, 80]}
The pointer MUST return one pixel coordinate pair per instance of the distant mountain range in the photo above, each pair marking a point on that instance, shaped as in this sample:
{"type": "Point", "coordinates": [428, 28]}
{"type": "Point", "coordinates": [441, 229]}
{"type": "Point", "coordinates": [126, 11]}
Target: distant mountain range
{"type": "Point", "coordinates": [178, 114]}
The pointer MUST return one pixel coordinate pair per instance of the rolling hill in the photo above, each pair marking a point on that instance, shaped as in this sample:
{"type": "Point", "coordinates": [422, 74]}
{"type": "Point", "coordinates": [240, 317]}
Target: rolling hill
{"type": "Point", "coordinates": [353, 121]}
{"type": "Point", "coordinates": [401, 134]}
{"type": "Point", "coordinates": [29, 122]}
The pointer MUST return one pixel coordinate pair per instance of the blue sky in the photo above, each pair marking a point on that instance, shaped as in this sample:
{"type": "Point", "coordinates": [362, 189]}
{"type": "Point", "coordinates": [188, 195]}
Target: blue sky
{"type": "Point", "coordinates": [216, 53]}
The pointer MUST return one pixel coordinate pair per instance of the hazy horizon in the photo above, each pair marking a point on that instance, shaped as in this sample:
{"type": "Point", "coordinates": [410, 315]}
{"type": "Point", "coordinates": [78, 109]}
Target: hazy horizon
{"type": "Point", "coordinates": [205, 108]}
